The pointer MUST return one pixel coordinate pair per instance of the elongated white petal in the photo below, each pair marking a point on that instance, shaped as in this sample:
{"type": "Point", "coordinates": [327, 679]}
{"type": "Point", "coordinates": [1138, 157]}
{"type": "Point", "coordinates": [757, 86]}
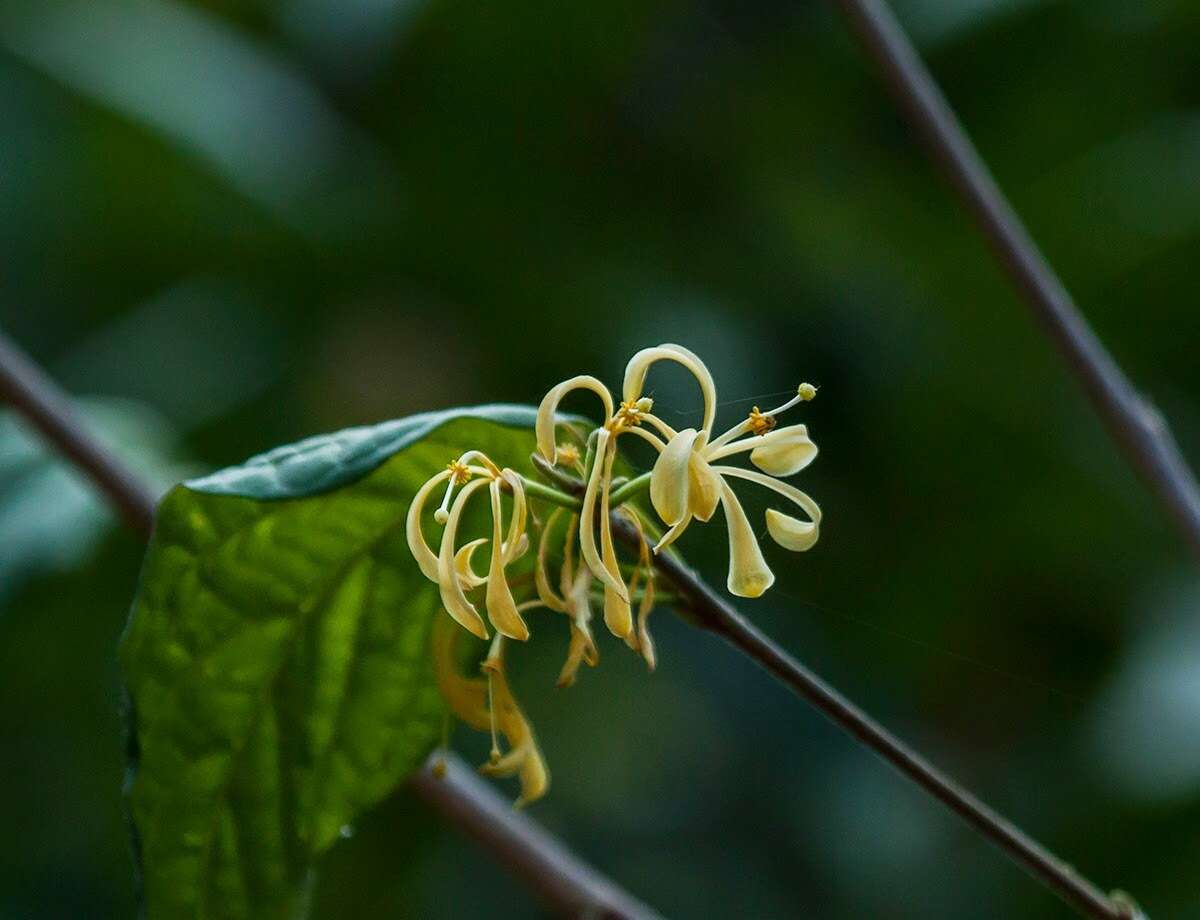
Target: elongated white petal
{"type": "Point", "coordinates": [453, 598]}
{"type": "Point", "coordinates": [544, 425]}
{"type": "Point", "coordinates": [789, 532]}
{"type": "Point", "coordinates": [618, 616]}
{"type": "Point", "coordinates": [467, 697]}
{"type": "Point", "coordinates": [704, 488]}
{"type": "Point", "coordinates": [749, 575]}
{"type": "Point", "coordinates": [587, 519]}
{"type": "Point", "coordinates": [639, 364]}
{"type": "Point", "coordinates": [501, 608]}
{"type": "Point", "coordinates": [426, 560]}
{"type": "Point", "coordinates": [669, 481]}
{"type": "Point", "coordinates": [541, 574]}
{"type": "Point", "coordinates": [784, 451]}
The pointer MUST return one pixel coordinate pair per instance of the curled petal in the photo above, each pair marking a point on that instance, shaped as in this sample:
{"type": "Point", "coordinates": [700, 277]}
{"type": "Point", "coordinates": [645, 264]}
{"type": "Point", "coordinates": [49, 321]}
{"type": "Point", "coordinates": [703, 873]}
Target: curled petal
{"type": "Point", "coordinates": [582, 648]}
{"type": "Point", "coordinates": [784, 451]}
{"type": "Point", "coordinates": [426, 560]}
{"type": "Point", "coordinates": [669, 480]}
{"type": "Point", "coordinates": [463, 567]}
{"type": "Point", "coordinates": [791, 533]}
{"type": "Point", "coordinates": [704, 488]}
{"type": "Point", "coordinates": [749, 575]}
{"type": "Point", "coordinates": [544, 425]}
{"type": "Point", "coordinates": [501, 608]}
{"type": "Point", "coordinates": [453, 598]}
{"type": "Point", "coordinates": [587, 520]}
{"type": "Point", "coordinates": [514, 547]}
{"type": "Point", "coordinates": [639, 364]}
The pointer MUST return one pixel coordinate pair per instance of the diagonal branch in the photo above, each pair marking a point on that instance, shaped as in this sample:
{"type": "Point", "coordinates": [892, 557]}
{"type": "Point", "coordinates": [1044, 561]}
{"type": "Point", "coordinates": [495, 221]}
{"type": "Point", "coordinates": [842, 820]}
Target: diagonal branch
{"type": "Point", "coordinates": [1136, 425]}
{"type": "Point", "coordinates": [711, 611]}
{"type": "Point", "coordinates": [565, 882]}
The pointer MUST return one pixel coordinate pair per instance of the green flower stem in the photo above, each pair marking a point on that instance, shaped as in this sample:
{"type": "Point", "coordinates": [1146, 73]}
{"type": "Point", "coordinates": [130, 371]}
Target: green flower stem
{"type": "Point", "coordinates": [534, 489]}
{"type": "Point", "coordinates": [631, 489]}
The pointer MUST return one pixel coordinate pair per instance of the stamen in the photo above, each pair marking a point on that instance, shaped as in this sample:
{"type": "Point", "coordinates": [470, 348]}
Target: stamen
{"type": "Point", "coordinates": [806, 391]}
{"type": "Point", "coordinates": [760, 423]}
{"type": "Point", "coordinates": [568, 454]}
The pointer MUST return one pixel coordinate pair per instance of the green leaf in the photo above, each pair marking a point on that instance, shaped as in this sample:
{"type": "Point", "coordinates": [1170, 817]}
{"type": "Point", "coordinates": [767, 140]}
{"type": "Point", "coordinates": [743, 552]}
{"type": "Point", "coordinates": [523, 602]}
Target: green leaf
{"type": "Point", "coordinates": [277, 658]}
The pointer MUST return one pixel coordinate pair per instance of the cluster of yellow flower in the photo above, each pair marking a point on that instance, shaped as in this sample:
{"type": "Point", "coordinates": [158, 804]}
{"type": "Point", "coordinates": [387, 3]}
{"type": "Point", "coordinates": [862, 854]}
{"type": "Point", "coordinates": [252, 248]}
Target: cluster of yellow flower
{"type": "Point", "coordinates": [687, 483]}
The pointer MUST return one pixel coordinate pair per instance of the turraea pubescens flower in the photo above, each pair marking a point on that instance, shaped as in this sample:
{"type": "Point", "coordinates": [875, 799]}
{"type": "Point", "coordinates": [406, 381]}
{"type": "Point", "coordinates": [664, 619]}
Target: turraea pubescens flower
{"type": "Point", "coordinates": [687, 483]}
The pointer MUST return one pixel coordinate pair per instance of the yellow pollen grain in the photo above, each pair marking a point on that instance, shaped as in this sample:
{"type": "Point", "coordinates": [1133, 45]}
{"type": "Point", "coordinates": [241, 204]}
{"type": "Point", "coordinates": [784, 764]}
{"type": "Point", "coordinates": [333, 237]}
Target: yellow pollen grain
{"type": "Point", "coordinates": [806, 391]}
{"type": "Point", "coordinates": [568, 453]}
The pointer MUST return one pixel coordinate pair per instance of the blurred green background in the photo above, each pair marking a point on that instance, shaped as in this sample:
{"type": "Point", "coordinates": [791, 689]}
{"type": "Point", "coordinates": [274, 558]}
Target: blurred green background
{"type": "Point", "coordinates": [231, 224]}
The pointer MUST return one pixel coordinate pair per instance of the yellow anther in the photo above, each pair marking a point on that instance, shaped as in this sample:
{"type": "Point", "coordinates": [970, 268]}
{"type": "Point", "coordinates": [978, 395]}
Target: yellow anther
{"type": "Point", "coordinates": [460, 473]}
{"type": "Point", "coordinates": [568, 453]}
{"type": "Point", "coordinates": [760, 424]}
{"type": "Point", "coordinates": [806, 391]}
{"type": "Point", "coordinates": [630, 413]}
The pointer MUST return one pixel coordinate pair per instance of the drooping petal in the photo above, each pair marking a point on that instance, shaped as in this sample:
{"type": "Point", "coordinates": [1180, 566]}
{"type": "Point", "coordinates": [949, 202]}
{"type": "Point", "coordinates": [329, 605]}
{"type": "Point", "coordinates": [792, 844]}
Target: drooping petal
{"type": "Point", "coordinates": [525, 758]}
{"type": "Point", "coordinates": [582, 647]}
{"type": "Point", "coordinates": [789, 532]}
{"type": "Point", "coordinates": [426, 560]}
{"type": "Point", "coordinates": [466, 697]}
{"type": "Point", "coordinates": [618, 616]}
{"type": "Point", "coordinates": [704, 488]}
{"type": "Point", "coordinates": [453, 598]}
{"type": "Point", "coordinates": [669, 480]}
{"type": "Point", "coordinates": [749, 575]}
{"type": "Point", "coordinates": [462, 564]}
{"type": "Point", "coordinates": [501, 608]}
{"type": "Point", "coordinates": [541, 575]}
{"type": "Point", "coordinates": [544, 425]}
{"type": "Point", "coordinates": [784, 451]}
{"type": "Point", "coordinates": [513, 546]}
{"type": "Point", "coordinates": [639, 364]}
{"type": "Point", "coordinates": [587, 520]}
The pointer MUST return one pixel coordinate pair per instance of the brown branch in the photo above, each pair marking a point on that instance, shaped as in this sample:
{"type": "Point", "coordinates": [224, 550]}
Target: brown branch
{"type": "Point", "coordinates": [562, 881]}
{"type": "Point", "coordinates": [1136, 425]}
{"type": "Point", "coordinates": [711, 611]}
{"type": "Point", "coordinates": [566, 882]}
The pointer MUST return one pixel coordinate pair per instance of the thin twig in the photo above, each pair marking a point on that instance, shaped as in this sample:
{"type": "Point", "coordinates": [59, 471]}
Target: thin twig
{"type": "Point", "coordinates": [1133, 422]}
{"type": "Point", "coordinates": [553, 871]}
{"type": "Point", "coordinates": [716, 614]}
{"type": "Point", "coordinates": [563, 882]}
{"type": "Point", "coordinates": [711, 611]}
{"type": "Point", "coordinates": [40, 401]}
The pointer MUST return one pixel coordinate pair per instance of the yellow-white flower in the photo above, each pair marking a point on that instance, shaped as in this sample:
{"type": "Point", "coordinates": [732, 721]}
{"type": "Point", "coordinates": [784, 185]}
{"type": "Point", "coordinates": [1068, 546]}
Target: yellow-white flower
{"type": "Point", "coordinates": [450, 568]}
{"type": "Point", "coordinates": [687, 483]}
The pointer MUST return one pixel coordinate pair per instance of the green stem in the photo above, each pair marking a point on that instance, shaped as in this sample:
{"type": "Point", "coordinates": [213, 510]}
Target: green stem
{"type": "Point", "coordinates": [634, 487]}
{"type": "Point", "coordinates": [534, 489]}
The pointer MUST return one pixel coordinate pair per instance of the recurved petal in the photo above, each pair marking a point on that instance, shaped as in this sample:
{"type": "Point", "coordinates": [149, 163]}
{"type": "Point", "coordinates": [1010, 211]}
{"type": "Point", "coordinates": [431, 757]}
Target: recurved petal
{"type": "Point", "coordinates": [462, 564]}
{"type": "Point", "coordinates": [639, 364]}
{"type": "Point", "coordinates": [453, 598]}
{"type": "Point", "coordinates": [544, 424]}
{"type": "Point", "coordinates": [426, 560]}
{"type": "Point", "coordinates": [669, 480]}
{"type": "Point", "coordinates": [749, 575]}
{"type": "Point", "coordinates": [792, 533]}
{"type": "Point", "coordinates": [784, 451]}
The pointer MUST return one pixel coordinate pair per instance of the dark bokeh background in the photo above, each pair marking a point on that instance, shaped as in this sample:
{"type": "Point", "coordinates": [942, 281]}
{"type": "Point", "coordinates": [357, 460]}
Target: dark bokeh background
{"type": "Point", "coordinates": [233, 224]}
